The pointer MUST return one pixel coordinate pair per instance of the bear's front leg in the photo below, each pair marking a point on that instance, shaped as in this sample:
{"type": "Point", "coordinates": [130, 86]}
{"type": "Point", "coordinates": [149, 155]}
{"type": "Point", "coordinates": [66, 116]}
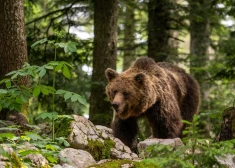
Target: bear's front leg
{"type": "Point", "coordinates": [125, 130]}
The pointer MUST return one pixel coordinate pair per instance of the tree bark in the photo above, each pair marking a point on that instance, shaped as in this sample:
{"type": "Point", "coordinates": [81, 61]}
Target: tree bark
{"type": "Point", "coordinates": [158, 29]}
{"type": "Point", "coordinates": [13, 49]}
{"type": "Point", "coordinates": [227, 130]}
{"type": "Point", "coordinates": [199, 44]}
{"type": "Point", "coordinates": [104, 56]}
{"type": "Point", "coordinates": [129, 35]}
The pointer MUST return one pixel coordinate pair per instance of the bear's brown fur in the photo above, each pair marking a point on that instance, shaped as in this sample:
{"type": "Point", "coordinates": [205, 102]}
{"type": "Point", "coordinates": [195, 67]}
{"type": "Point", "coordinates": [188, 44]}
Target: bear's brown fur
{"type": "Point", "coordinates": [162, 92]}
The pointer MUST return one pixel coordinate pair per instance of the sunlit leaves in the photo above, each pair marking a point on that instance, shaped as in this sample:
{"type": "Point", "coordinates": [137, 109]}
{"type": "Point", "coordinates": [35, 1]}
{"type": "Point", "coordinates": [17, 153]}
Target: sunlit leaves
{"type": "Point", "coordinates": [73, 96]}
{"type": "Point", "coordinates": [47, 115]}
{"type": "Point", "coordinates": [36, 91]}
{"type": "Point", "coordinates": [33, 136]}
{"type": "Point", "coordinates": [68, 47]}
{"type": "Point", "coordinates": [42, 41]}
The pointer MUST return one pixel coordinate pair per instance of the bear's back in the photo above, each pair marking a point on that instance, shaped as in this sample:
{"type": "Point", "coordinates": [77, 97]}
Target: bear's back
{"type": "Point", "coordinates": [170, 67]}
{"type": "Point", "coordinates": [148, 65]}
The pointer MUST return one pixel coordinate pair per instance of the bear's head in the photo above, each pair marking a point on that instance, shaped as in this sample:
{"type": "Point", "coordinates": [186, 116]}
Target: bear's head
{"type": "Point", "coordinates": [131, 93]}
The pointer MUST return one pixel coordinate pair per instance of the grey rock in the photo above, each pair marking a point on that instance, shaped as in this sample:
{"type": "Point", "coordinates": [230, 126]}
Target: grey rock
{"type": "Point", "coordinates": [77, 158]}
{"type": "Point", "coordinates": [37, 160]}
{"type": "Point", "coordinates": [84, 130]}
{"type": "Point", "coordinates": [228, 161]}
{"type": "Point", "coordinates": [154, 141]}
{"type": "Point", "coordinates": [63, 166]}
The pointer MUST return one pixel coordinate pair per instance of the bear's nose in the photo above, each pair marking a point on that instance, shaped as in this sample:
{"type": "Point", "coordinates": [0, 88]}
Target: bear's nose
{"type": "Point", "coordinates": [115, 106]}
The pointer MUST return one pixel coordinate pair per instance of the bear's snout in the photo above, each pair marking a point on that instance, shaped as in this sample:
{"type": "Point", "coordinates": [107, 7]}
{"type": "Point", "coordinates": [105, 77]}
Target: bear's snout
{"type": "Point", "coordinates": [115, 106]}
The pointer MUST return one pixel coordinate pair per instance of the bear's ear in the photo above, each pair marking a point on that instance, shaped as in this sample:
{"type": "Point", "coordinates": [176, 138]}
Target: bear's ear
{"type": "Point", "coordinates": [139, 78]}
{"type": "Point", "coordinates": [110, 74]}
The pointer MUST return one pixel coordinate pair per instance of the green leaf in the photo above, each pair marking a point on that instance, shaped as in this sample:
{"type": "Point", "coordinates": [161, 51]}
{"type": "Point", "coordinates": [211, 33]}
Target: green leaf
{"type": "Point", "coordinates": [7, 135]}
{"type": "Point", "coordinates": [61, 45]}
{"type": "Point", "coordinates": [42, 72]}
{"type": "Point", "coordinates": [3, 81]}
{"type": "Point", "coordinates": [24, 98]}
{"type": "Point", "coordinates": [53, 63]}
{"type": "Point", "coordinates": [71, 47]}
{"type": "Point", "coordinates": [47, 115]}
{"type": "Point", "coordinates": [67, 95]}
{"type": "Point", "coordinates": [49, 67]}
{"type": "Point", "coordinates": [0, 107]}
{"type": "Point", "coordinates": [66, 72]}
{"type": "Point", "coordinates": [19, 100]}
{"type": "Point", "coordinates": [15, 75]}
{"type": "Point", "coordinates": [52, 147]}
{"type": "Point", "coordinates": [45, 91]}
{"type": "Point", "coordinates": [51, 159]}
{"type": "Point", "coordinates": [17, 107]}
{"type": "Point", "coordinates": [58, 67]}
{"type": "Point", "coordinates": [26, 152]}
{"type": "Point", "coordinates": [8, 84]}
{"type": "Point", "coordinates": [66, 63]}
{"type": "Point", "coordinates": [74, 98]}
{"type": "Point", "coordinates": [4, 91]}
{"type": "Point", "coordinates": [60, 91]}
{"type": "Point", "coordinates": [36, 91]}
{"type": "Point", "coordinates": [81, 100]}
{"type": "Point", "coordinates": [35, 127]}
{"type": "Point", "coordinates": [39, 42]}
{"type": "Point", "coordinates": [33, 136]}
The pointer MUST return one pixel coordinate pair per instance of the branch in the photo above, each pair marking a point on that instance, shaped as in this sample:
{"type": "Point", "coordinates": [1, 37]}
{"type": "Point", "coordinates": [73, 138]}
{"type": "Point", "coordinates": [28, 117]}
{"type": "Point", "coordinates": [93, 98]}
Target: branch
{"type": "Point", "coordinates": [64, 10]}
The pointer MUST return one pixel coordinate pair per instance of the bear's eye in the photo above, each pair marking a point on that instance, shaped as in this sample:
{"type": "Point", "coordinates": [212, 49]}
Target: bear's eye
{"type": "Point", "coordinates": [125, 94]}
{"type": "Point", "coordinates": [115, 92]}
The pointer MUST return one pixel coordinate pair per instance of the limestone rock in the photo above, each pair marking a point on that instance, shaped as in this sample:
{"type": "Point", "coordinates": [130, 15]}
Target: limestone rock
{"type": "Point", "coordinates": [77, 158]}
{"type": "Point", "coordinates": [82, 130]}
{"type": "Point", "coordinates": [37, 160]}
{"type": "Point", "coordinates": [228, 161]}
{"type": "Point", "coordinates": [154, 141]}
{"type": "Point", "coordinates": [63, 166]}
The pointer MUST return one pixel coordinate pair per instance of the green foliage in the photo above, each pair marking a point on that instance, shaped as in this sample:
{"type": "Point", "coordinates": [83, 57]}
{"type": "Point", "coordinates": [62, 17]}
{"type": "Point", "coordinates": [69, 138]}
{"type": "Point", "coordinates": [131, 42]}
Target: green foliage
{"type": "Point", "coordinates": [197, 151]}
{"type": "Point", "coordinates": [100, 150]}
{"type": "Point", "coordinates": [15, 96]}
{"type": "Point", "coordinates": [62, 126]}
{"type": "Point", "coordinates": [147, 163]}
{"type": "Point", "coordinates": [113, 164]}
{"type": "Point", "coordinates": [45, 146]}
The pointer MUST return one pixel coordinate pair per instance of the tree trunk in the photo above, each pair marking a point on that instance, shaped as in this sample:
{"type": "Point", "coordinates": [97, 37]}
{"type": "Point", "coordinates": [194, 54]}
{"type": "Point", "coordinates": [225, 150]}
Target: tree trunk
{"type": "Point", "coordinates": [129, 35]}
{"type": "Point", "coordinates": [227, 130]}
{"type": "Point", "coordinates": [199, 44]}
{"type": "Point", "coordinates": [13, 49]}
{"type": "Point", "coordinates": [158, 29]}
{"type": "Point", "coordinates": [104, 56]}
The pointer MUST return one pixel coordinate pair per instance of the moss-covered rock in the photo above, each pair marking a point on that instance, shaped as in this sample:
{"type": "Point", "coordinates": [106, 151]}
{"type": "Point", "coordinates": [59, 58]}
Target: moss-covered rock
{"type": "Point", "coordinates": [147, 163]}
{"type": "Point", "coordinates": [113, 164]}
{"type": "Point", "coordinates": [227, 131]}
{"type": "Point", "coordinates": [100, 150]}
{"type": "Point", "coordinates": [63, 126]}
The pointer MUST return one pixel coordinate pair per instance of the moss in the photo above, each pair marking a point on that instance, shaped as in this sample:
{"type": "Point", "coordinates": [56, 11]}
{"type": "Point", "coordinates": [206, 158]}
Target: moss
{"type": "Point", "coordinates": [15, 161]}
{"type": "Point", "coordinates": [149, 163]}
{"type": "Point", "coordinates": [62, 125]}
{"type": "Point", "coordinates": [100, 150]}
{"type": "Point", "coordinates": [113, 164]}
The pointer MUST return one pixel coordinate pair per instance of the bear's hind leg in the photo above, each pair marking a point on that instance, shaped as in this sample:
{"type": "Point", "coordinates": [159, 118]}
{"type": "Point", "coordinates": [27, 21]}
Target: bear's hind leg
{"type": "Point", "coordinates": [125, 130]}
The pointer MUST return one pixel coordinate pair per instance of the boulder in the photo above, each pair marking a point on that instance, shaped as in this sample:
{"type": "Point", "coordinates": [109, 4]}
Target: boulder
{"type": "Point", "coordinates": [154, 141]}
{"type": "Point", "coordinates": [77, 158]}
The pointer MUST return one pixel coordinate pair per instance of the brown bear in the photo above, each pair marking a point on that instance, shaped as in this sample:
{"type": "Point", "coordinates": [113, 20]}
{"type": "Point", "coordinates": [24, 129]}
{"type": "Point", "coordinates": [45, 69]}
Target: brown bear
{"type": "Point", "coordinates": [162, 92]}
